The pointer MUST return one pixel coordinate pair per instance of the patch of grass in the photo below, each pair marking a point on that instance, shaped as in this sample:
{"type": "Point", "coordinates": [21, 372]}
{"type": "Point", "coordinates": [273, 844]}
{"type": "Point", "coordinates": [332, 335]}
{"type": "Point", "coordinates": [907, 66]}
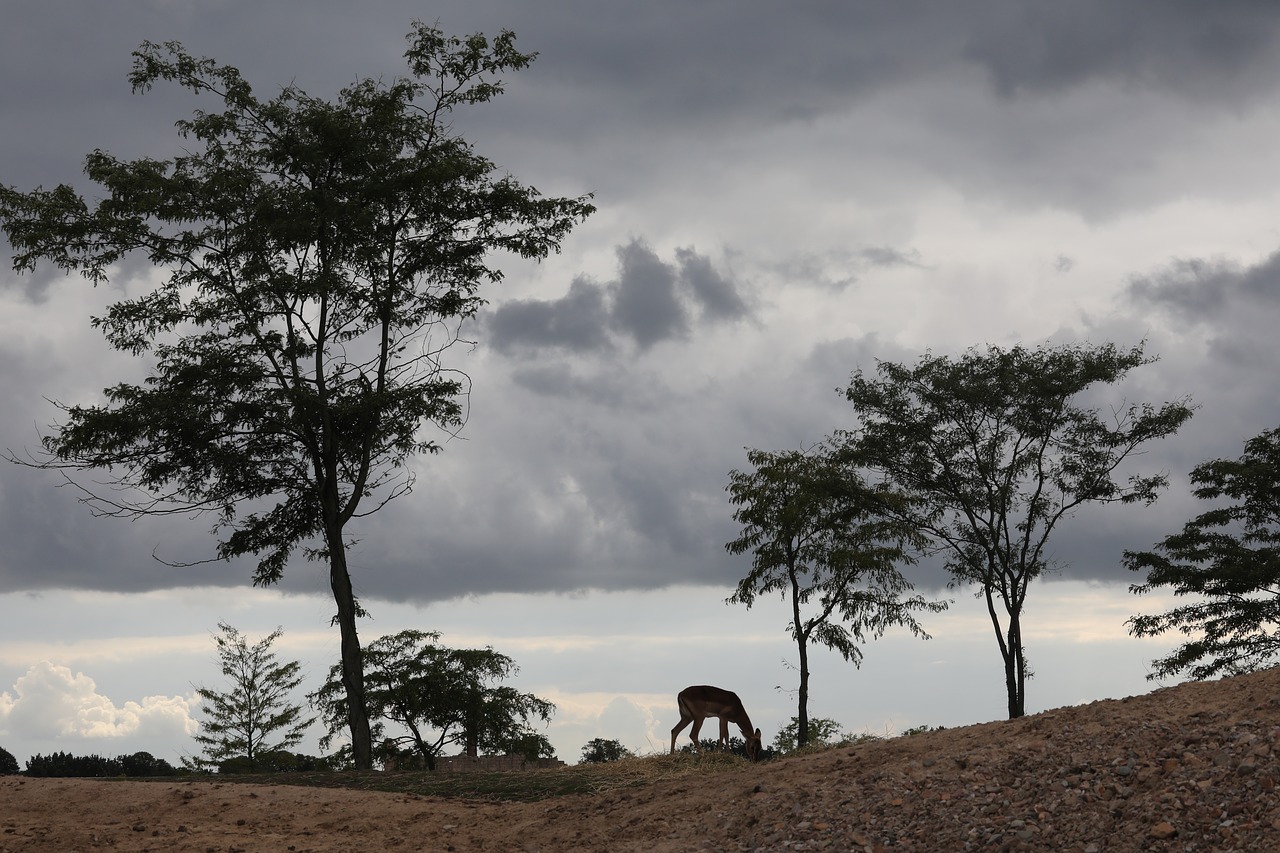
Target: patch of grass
{"type": "Point", "coordinates": [511, 785]}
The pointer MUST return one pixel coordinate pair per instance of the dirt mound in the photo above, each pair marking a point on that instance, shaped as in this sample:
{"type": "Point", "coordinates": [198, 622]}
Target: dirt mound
{"type": "Point", "coordinates": [1189, 768]}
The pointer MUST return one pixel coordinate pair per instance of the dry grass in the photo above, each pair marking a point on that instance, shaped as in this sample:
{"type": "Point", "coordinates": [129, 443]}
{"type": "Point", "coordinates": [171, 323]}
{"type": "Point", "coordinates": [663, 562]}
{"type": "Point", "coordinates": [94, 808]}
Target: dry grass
{"type": "Point", "coordinates": [512, 786]}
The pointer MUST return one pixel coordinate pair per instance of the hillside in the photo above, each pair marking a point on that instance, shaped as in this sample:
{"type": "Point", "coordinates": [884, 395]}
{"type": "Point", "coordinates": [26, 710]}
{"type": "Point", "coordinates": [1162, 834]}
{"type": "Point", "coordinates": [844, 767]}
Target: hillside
{"type": "Point", "coordinates": [1189, 768]}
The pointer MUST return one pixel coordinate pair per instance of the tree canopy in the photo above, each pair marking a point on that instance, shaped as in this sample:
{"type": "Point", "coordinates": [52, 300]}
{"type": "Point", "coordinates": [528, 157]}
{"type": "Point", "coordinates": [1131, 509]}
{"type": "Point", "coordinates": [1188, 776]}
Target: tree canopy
{"type": "Point", "coordinates": [818, 535]}
{"type": "Point", "coordinates": [1226, 563]}
{"type": "Point", "coordinates": [992, 450]}
{"type": "Point", "coordinates": [317, 260]}
{"type": "Point", "coordinates": [434, 696]}
{"type": "Point", "coordinates": [599, 750]}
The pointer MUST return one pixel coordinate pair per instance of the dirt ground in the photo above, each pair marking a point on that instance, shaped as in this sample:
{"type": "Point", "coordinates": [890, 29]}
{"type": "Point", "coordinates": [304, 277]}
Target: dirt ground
{"type": "Point", "coordinates": [1189, 768]}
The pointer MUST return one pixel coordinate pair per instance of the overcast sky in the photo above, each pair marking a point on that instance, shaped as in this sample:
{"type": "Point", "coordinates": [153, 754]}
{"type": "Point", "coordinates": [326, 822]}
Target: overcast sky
{"type": "Point", "coordinates": [786, 193]}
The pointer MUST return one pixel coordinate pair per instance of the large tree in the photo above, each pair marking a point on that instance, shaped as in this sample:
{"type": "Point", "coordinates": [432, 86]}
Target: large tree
{"type": "Point", "coordinates": [317, 259]}
{"type": "Point", "coordinates": [256, 715]}
{"type": "Point", "coordinates": [435, 696]}
{"type": "Point", "coordinates": [1226, 564]}
{"type": "Point", "coordinates": [818, 537]}
{"type": "Point", "coordinates": [993, 450]}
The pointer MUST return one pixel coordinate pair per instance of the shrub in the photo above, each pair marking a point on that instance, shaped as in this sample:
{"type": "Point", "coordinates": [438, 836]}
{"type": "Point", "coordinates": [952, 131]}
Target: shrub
{"type": "Point", "coordinates": [66, 764]}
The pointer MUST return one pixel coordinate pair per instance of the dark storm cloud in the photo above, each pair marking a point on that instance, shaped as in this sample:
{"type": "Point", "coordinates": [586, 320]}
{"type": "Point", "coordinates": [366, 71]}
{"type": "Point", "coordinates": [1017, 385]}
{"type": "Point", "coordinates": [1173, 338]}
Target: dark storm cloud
{"type": "Point", "coordinates": [34, 285]}
{"type": "Point", "coordinates": [838, 269]}
{"type": "Point", "coordinates": [1183, 45]}
{"type": "Point", "coordinates": [582, 474]}
{"type": "Point", "coordinates": [716, 295]}
{"type": "Point", "coordinates": [650, 301]}
{"type": "Point", "coordinates": [717, 59]}
{"type": "Point", "coordinates": [646, 304]}
{"type": "Point", "coordinates": [1211, 323]}
{"type": "Point", "coordinates": [1201, 290]}
{"type": "Point", "coordinates": [578, 320]}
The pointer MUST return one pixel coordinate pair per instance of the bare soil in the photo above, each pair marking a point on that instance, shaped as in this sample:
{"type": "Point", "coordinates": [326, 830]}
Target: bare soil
{"type": "Point", "coordinates": [1188, 768]}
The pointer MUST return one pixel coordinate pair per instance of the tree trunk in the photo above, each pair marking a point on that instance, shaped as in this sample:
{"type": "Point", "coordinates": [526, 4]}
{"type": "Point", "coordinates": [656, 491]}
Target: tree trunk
{"type": "Point", "coordinates": [1010, 643]}
{"type": "Point", "coordinates": [1015, 671]}
{"type": "Point", "coordinates": [352, 665]}
{"type": "Point", "coordinates": [802, 729]}
{"type": "Point", "coordinates": [471, 734]}
{"type": "Point", "coordinates": [802, 715]}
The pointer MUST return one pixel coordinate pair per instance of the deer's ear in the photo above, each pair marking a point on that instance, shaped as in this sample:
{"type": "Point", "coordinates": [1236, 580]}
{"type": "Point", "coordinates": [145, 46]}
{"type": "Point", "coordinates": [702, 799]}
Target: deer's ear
{"type": "Point", "coordinates": [757, 734]}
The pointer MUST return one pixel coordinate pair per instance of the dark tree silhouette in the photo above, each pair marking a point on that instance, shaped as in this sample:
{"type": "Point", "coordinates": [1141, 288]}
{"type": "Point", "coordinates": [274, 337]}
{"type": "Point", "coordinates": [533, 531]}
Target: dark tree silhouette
{"type": "Point", "coordinates": [319, 258]}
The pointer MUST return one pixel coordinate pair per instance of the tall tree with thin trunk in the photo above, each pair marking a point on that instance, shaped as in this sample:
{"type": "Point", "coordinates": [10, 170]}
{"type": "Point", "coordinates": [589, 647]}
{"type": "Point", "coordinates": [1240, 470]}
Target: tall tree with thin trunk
{"type": "Point", "coordinates": [318, 259]}
{"type": "Point", "coordinates": [817, 537]}
{"type": "Point", "coordinates": [256, 715]}
{"type": "Point", "coordinates": [993, 450]}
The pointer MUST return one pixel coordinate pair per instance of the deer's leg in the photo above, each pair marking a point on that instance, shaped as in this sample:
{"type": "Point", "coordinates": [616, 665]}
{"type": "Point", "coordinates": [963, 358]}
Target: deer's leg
{"type": "Point", "coordinates": [693, 735]}
{"type": "Point", "coordinates": [685, 719]}
{"type": "Point", "coordinates": [724, 734]}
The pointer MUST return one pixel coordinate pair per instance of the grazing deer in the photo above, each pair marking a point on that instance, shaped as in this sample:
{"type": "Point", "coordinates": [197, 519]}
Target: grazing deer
{"type": "Point", "coordinates": [701, 701]}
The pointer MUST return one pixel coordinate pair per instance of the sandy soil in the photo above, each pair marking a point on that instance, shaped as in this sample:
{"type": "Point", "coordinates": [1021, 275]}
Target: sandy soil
{"type": "Point", "coordinates": [1191, 768]}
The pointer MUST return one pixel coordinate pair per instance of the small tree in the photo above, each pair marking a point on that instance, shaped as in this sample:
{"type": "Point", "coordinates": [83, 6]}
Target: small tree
{"type": "Point", "coordinates": [992, 451]}
{"type": "Point", "coordinates": [255, 716]}
{"type": "Point", "coordinates": [1227, 562]}
{"type": "Point", "coordinates": [822, 732]}
{"type": "Point", "coordinates": [8, 764]}
{"type": "Point", "coordinates": [318, 259]}
{"type": "Point", "coordinates": [436, 697]}
{"type": "Point", "coordinates": [817, 535]}
{"type": "Point", "coordinates": [598, 751]}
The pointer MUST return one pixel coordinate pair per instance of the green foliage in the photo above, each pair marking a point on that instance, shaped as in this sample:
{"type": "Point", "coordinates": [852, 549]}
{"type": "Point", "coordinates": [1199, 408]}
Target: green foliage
{"type": "Point", "coordinates": [436, 697]}
{"type": "Point", "coordinates": [8, 764]}
{"type": "Point", "coordinates": [1226, 562]}
{"type": "Point", "coordinates": [145, 764]}
{"type": "Point", "coordinates": [819, 535]}
{"type": "Point", "coordinates": [992, 451]}
{"type": "Point", "coordinates": [275, 761]}
{"type": "Point", "coordinates": [822, 732]}
{"type": "Point", "coordinates": [317, 259]}
{"type": "Point", "coordinates": [920, 730]}
{"type": "Point", "coordinates": [64, 764]}
{"type": "Point", "coordinates": [254, 717]}
{"type": "Point", "coordinates": [526, 743]}
{"type": "Point", "coordinates": [598, 751]}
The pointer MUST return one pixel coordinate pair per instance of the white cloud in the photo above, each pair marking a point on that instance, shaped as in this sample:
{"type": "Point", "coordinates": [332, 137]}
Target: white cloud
{"type": "Point", "coordinates": [631, 719]}
{"type": "Point", "coordinates": [49, 702]}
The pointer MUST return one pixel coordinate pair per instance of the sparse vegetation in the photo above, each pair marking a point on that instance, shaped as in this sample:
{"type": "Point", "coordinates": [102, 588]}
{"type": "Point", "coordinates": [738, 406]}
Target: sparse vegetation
{"type": "Point", "coordinates": [822, 733]}
{"type": "Point", "coordinates": [523, 786]}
